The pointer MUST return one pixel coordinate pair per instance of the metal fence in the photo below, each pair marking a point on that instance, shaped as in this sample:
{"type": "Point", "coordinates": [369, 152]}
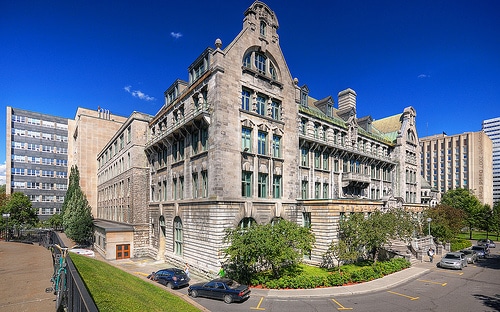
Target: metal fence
{"type": "Point", "coordinates": [78, 298]}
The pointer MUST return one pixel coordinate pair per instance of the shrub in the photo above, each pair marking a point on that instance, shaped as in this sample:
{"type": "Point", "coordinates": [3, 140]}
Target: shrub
{"type": "Point", "coordinates": [459, 244]}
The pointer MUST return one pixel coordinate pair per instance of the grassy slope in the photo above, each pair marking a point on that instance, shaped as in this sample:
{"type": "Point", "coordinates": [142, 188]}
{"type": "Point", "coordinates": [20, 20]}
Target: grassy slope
{"type": "Point", "coordinates": [115, 290]}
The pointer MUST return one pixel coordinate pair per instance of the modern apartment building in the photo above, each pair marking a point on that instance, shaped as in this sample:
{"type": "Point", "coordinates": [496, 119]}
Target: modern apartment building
{"type": "Point", "coordinates": [37, 158]}
{"type": "Point", "coordinates": [240, 141]}
{"type": "Point", "coordinates": [121, 223]}
{"type": "Point", "coordinates": [492, 128]}
{"type": "Point", "coordinates": [459, 161]}
{"type": "Point", "coordinates": [89, 132]}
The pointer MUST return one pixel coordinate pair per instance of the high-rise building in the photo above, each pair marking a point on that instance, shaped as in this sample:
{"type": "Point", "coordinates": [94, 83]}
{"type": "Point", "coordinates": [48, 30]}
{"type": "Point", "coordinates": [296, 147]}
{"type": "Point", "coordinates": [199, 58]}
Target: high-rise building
{"type": "Point", "coordinates": [459, 161]}
{"type": "Point", "coordinates": [37, 158]}
{"type": "Point", "coordinates": [241, 142]}
{"type": "Point", "coordinates": [492, 128]}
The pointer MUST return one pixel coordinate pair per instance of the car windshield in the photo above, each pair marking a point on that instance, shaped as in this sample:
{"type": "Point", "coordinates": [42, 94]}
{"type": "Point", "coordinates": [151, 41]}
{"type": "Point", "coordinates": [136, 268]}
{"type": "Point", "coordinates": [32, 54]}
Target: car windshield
{"type": "Point", "coordinates": [467, 252]}
{"type": "Point", "coordinates": [452, 256]}
{"type": "Point", "coordinates": [477, 248]}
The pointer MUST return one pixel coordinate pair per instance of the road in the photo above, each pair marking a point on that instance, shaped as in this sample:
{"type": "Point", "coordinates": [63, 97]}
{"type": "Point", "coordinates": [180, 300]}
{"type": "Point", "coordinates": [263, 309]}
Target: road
{"type": "Point", "coordinates": [475, 288]}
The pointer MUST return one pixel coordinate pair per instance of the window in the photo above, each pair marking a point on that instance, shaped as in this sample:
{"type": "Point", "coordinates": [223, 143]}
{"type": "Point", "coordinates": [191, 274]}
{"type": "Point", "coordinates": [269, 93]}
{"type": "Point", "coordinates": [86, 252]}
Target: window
{"type": "Point", "coordinates": [194, 142]}
{"type": "Point", "coordinates": [305, 192]}
{"type": "Point", "coordinates": [245, 100]}
{"type": "Point", "coordinates": [204, 139]}
{"type": "Point", "coordinates": [195, 185]}
{"type": "Point", "coordinates": [246, 139]}
{"type": "Point", "coordinates": [204, 184]}
{"type": "Point", "coordinates": [246, 223]}
{"type": "Point", "coordinates": [247, 60]}
{"type": "Point", "coordinates": [261, 105]}
{"type": "Point", "coordinates": [181, 187]}
{"type": "Point", "coordinates": [181, 149]}
{"type": "Point", "coordinates": [326, 189]}
{"type": "Point", "coordinates": [317, 155]}
{"type": "Point", "coordinates": [246, 184]}
{"type": "Point", "coordinates": [262, 142]}
{"type": "Point", "coordinates": [304, 156]}
{"type": "Point", "coordinates": [262, 28]}
{"type": "Point", "coordinates": [276, 146]}
{"type": "Point", "coordinates": [275, 110]}
{"type": "Point", "coordinates": [317, 190]}
{"type": "Point", "coordinates": [325, 161]}
{"type": "Point", "coordinates": [178, 236]}
{"type": "Point", "coordinates": [260, 63]}
{"type": "Point", "coordinates": [277, 186]}
{"type": "Point", "coordinates": [272, 71]}
{"type": "Point", "coordinates": [262, 183]}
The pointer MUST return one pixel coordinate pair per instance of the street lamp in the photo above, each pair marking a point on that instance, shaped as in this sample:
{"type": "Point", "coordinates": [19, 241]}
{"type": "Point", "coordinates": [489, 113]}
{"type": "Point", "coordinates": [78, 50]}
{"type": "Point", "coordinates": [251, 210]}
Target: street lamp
{"type": "Point", "coordinates": [429, 222]}
{"type": "Point", "coordinates": [7, 216]}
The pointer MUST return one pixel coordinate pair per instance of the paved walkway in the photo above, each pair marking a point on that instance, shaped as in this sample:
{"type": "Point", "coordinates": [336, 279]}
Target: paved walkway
{"type": "Point", "coordinates": [26, 270]}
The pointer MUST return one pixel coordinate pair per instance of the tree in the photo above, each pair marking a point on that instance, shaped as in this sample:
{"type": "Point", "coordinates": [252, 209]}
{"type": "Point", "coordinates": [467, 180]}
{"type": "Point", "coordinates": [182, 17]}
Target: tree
{"type": "Point", "coordinates": [341, 252]}
{"type": "Point", "coordinates": [447, 221]}
{"type": "Point", "coordinates": [77, 217]}
{"type": "Point", "coordinates": [377, 230]}
{"type": "Point", "coordinates": [465, 200]}
{"type": "Point", "coordinates": [496, 218]}
{"type": "Point", "coordinates": [271, 247]}
{"type": "Point", "coordinates": [20, 209]}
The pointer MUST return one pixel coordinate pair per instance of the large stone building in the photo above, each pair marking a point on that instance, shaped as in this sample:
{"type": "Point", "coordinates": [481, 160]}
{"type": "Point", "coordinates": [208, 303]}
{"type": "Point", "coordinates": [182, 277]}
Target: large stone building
{"type": "Point", "coordinates": [459, 161]}
{"type": "Point", "coordinates": [492, 128]}
{"type": "Point", "coordinates": [88, 133]}
{"type": "Point", "coordinates": [37, 158]}
{"type": "Point", "coordinates": [240, 142]}
{"type": "Point", "coordinates": [122, 225]}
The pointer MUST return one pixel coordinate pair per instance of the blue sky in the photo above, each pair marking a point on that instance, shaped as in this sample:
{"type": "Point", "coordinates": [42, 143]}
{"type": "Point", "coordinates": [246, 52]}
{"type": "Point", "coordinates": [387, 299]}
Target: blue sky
{"type": "Point", "coordinates": [441, 57]}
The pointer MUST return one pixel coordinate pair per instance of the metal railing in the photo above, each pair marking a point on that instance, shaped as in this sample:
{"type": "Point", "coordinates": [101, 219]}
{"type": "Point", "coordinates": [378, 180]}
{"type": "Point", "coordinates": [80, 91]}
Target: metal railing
{"type": "Point", "coordinates": [78, 297]}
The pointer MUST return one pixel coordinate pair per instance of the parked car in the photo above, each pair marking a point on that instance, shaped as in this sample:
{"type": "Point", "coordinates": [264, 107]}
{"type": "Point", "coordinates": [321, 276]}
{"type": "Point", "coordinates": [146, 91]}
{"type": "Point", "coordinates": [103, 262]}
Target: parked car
{"type": "Point", "coordinates": [482, 251]}
{"type": "Point", "coordinates": [486, 242]}
{"type": "Point", "coordinates": [171, 277]}
{"type": "Point", "coordinates": [220, 288]}
{"type": "Point", "coordinates": [453, 260]}
{"type": "Point", "coordinates": [83, 252]}
{"type": "Point", "coordinates": [470, 255]}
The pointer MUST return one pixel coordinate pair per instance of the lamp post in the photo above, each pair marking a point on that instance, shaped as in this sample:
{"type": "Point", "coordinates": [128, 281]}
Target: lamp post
{"type": "Point", "coordinates": [7, 216]}
{"type": "Point", "coordinates": [429, 222]}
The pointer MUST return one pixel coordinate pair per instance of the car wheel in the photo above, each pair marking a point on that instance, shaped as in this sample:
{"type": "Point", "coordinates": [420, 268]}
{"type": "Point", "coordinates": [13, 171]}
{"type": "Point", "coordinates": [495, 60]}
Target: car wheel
{"type": "Point", "coordinates": [228, 299]}
{"type": "Point", "coordinates": [170, 285]}
{"type": "Point", "coordinates": [194, 293]}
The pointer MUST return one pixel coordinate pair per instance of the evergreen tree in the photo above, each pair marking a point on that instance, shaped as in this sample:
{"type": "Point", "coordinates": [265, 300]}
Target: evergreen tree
{"type": "Point", "coordinates": [77, 215]}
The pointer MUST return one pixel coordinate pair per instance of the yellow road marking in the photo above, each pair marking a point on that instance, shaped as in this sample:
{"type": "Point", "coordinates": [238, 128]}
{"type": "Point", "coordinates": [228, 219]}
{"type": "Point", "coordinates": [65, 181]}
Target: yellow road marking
{"type": "Point", "coordinates": [395, 293]}
{"type": "Point", "coordinates": [341, 306]}
{"type": "Point", "coordinates": [431, 282]}
{"type": "Point", "coordinates": [258, 306]}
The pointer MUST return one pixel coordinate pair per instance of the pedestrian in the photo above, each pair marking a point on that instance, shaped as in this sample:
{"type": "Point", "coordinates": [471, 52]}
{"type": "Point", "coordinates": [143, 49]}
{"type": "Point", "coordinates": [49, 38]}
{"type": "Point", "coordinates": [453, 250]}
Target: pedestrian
{"type": "Point", "coordinates": [222, 273]}
{"type": "Point", "coordinates": [186, 269]}
{"type": "Point", "coordinates": [430, 253]}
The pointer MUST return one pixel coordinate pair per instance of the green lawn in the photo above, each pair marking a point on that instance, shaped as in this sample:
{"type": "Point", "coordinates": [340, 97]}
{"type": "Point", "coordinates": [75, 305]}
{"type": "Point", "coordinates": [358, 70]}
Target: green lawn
{"type": "Point", "coordinates": [478, 235]}
{"type": "Point", "coordinates": [115, 290]}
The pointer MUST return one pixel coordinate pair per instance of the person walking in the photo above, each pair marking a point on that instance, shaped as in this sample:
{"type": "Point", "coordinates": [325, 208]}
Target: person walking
{"type": "Point", "coordinates": [186, 269]}
{"type": "Point", "coordinates": [430, 253]}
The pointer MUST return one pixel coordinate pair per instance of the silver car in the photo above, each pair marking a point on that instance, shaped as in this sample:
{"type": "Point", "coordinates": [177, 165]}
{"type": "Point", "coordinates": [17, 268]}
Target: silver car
{"type": "Point", "coordinates": [453, 260]}
{"type": "Point", "coordinates": [470, 255]}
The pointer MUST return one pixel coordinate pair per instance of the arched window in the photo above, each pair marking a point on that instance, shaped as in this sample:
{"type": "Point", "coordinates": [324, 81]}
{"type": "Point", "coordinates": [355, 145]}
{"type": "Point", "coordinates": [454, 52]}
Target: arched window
{"type": "Point", "coordinates": [247, 60]}
{"type": "Point", "coordinates": [411, 136]}
{"type": "Point", "coordinates": [262, 28]}
{"type": "Point", "coordinates": [178, 237]}
{"type": "Point", "coordinates": [246, 222]}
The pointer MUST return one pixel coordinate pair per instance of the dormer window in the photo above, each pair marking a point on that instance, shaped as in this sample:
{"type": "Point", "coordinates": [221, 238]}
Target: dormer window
{"type": "Point", "coordinates": [257, 62]}
{"type": "Point", "coordinates": [262, 28]}
{"type": "Point", "coordinates": [303, 98]}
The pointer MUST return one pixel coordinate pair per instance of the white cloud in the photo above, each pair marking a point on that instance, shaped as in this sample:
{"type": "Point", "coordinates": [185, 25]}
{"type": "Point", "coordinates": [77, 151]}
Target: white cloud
{"type": "Point", "coordinates": [138, 94]}
{"type": "Point", "coordinates": [176, 35]}
{"type": "Point", "coordinates": [423, 76]}
{"type": "Point", "coordinates": [3, 178]}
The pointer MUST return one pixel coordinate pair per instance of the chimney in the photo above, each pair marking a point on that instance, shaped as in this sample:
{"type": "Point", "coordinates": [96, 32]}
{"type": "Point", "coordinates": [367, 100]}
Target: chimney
{"type": "Point", "coordinates": [347, 99]}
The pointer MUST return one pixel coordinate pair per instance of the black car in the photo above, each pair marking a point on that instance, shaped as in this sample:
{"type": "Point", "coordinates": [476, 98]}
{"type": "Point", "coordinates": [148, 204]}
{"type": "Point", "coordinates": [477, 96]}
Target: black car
{"type": "Point", "coordinates": [220, 288]}
{"type": "Point", "coordinates": [171, 277]}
